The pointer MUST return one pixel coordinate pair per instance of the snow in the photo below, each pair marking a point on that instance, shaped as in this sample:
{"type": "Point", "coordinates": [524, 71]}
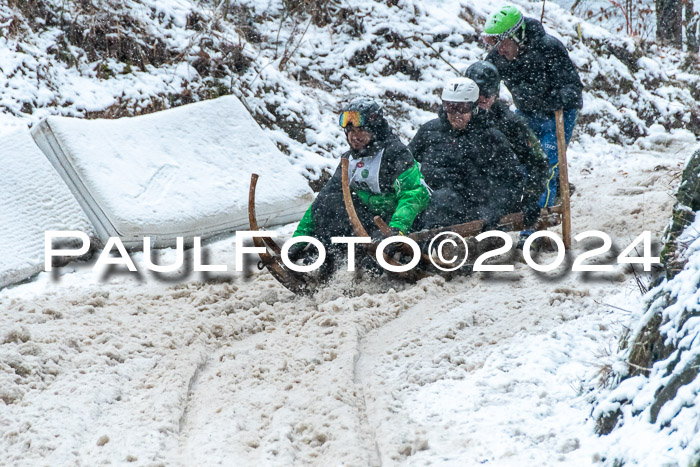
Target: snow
{"type": "Point", "coordinates": [179, 172]}
{"type": "Point", "coordinates": [489, 368]}
{"type": "Point", "coordinates": [672, 436]}
{"type": "Point", "coordinates": [659, 138]}
{"type": "Point", "coordinates": [34, 199]}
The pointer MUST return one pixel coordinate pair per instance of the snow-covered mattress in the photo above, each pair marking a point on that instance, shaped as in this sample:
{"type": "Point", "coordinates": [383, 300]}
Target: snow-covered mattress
{"type": "Point", "coordinates": [181, 172]}
{"type": "Point", "coordinates": [33, 199]}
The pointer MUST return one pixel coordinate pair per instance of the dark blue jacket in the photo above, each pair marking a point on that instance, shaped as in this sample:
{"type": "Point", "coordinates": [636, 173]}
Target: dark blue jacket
{"type": "Point", "coordinates": [477, 163]}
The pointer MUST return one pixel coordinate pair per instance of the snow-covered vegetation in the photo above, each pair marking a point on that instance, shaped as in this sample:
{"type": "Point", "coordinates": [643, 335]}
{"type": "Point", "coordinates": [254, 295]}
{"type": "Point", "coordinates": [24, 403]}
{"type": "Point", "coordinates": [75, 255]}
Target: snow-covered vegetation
{"type": "Point", "coordinates": [292, 63]}
{"type": "Point", "coordinates": [658, 396]}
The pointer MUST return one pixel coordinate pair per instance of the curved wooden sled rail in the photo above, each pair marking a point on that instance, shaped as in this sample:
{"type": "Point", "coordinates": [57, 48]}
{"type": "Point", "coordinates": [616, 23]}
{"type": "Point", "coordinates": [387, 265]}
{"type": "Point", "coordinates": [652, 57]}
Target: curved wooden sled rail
{"type": "Point", "coordinates": [549, 217]}
{"type": "Point", "coordinates": [360, 230]}
{"type": "Point", "coordinates": [296, 283]}
{"type": "Point", "coordinates": [289, 279]}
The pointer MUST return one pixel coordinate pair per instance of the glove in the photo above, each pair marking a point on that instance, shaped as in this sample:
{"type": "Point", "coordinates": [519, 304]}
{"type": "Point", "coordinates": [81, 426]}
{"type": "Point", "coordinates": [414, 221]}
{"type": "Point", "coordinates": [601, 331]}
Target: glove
{"type": "Point", "coordinates": [394, 248]}
{"type": "Point", "coordinates": [554, 100]}
{"type": "Point", "coordinates": [378, 236]}
{"type": "Point", "coordinates": [568, 96]}
{"type": "Point", "coordinates": [297, 251]}
{"type": "Point", "coordinates": [491, 220]}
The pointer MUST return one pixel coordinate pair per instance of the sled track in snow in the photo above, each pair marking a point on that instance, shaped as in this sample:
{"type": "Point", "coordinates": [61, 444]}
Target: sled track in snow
{"type": "Point", "coordinates": [369, 435]}
{"type": "Point", "coordinates": [191, 387]}
{"type": "Point", "coordinates": [369, 373]}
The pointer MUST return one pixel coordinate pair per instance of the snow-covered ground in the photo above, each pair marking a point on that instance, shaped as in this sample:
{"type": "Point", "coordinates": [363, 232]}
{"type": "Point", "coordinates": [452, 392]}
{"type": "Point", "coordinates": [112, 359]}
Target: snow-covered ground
{"type": "Point", "coordinates": [490, 368]}
{"type": "Point", "coordinates": [203, 369]}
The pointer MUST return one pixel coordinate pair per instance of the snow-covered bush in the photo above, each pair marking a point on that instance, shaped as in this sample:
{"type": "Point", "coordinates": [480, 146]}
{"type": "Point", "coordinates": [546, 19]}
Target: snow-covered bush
{"type": "Point", "coordinates": [293, 63]}
{"type": "Point", "coordinates": [658, 396]}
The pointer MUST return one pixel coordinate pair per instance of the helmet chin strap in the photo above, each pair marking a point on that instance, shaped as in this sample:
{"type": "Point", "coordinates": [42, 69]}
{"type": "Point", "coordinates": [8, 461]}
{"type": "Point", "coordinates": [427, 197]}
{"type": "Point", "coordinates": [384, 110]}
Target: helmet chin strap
{"type": "Point", "coordinates": [519, 35]}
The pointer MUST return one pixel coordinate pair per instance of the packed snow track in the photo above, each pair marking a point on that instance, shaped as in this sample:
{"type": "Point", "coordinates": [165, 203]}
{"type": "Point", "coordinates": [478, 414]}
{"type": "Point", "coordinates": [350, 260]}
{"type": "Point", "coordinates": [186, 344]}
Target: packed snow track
{"type": "Point", "coordinates": [486, 368]}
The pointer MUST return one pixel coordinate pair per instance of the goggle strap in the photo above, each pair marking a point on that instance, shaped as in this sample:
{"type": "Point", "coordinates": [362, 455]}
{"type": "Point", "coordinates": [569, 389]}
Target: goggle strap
{"type": "Point", "coordinates": [507, 34]}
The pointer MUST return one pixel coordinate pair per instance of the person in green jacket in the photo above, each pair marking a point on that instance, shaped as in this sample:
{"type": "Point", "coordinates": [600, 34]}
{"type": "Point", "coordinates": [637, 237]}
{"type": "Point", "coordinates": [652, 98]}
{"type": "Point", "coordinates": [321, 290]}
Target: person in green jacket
{"type": "Point", "coordinates": [385, 180]}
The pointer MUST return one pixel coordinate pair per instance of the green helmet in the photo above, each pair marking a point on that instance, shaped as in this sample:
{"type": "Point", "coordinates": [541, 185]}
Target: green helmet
{"type": "Point", "coordinates": [507, 22]}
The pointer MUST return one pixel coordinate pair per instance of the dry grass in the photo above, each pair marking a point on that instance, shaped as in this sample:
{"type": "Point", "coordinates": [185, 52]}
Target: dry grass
{"type": "Point", "coordinates": [647, 348]}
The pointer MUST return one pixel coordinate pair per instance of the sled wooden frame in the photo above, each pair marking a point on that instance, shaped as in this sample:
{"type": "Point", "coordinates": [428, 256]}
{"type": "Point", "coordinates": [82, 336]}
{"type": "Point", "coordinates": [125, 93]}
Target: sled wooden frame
{"type": "Point", "coordinates": [549, 217]}
{"type": "Point", "coordinates": [298, 283]}
{"type": "Point", "coordinates": [563, 179]}
{"type": "Point", "coordinates": [360, 231]}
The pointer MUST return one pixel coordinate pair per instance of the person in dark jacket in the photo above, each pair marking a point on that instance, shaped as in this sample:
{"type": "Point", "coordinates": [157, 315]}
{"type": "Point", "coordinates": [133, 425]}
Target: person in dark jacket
{"type": "Point", "coordinates": [385, 180]}
{"type": "Point", "coordinates": [471, 167]}
{"type": "Point", "coordinates": [541, 77]}
{"type": "Point", "coordinates": [496, 114]}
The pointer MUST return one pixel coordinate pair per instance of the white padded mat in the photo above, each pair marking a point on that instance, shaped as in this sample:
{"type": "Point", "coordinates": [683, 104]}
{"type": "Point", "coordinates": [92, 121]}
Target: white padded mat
{"type": "Point", "coordinates": [34, 199]}
{"type": "Point", "coordinates": [180, 172]}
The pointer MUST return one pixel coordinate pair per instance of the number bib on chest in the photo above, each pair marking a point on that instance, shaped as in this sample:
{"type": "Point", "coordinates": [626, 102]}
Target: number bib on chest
{"type": "Point", "coordinates": [364, 173]}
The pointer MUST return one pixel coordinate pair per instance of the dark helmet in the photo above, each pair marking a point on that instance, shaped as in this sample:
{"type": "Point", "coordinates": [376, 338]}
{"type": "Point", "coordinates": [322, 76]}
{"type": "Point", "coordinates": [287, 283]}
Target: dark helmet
{"type": "Point", "coordinates": [362, 112]}
{"type": "Point", "coordinates": [485, 75]}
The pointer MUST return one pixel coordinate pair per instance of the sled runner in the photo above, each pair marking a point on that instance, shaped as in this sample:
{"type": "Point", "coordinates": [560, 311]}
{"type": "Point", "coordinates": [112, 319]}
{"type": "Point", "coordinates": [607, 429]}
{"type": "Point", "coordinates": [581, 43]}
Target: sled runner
{"type": "Point", "coordinates": [292, 280]}
{"type": "Point", "coordinates": [549, 217]}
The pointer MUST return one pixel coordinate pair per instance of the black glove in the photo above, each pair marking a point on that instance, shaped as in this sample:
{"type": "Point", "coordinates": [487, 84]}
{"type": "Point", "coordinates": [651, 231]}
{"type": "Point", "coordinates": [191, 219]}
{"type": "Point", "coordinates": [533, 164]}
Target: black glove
{"type": "Point", "coordinates": [568, 97]}
{"type": "Point", "coordinates": [297, 251]}
{"type": "Point", "coordinates": [396, 247]}
{"type": "Point", "coordinates": [378, 236]}
{"type": "Point", "coordinates": [491, 220]}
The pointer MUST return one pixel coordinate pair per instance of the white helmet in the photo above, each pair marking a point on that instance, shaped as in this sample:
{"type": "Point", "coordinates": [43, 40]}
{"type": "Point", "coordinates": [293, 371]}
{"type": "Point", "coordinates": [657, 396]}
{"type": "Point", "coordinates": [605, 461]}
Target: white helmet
{"type": "Point", "coordinates": [460, 90]}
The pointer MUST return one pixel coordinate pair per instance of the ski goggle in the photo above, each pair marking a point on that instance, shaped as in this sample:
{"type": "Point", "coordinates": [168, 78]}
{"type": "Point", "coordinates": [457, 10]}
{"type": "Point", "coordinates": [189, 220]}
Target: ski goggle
{"type": "Point", "coordinates": [493, 40]}
{"type": "Point", "coordinates": [351, 117]}
{"type": "Point", "coordinates": [457, 107]}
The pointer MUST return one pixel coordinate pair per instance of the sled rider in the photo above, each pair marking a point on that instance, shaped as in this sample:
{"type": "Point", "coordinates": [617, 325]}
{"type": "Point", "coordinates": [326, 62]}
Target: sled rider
{"type": "Point", "coordinates": [470, 166]}
{"type": "Point", "coordinates": [384, 179]}
{"type": "Point", "coordinates": [496, 114]}
{"type": "Point", "coordinates": [540, 76]}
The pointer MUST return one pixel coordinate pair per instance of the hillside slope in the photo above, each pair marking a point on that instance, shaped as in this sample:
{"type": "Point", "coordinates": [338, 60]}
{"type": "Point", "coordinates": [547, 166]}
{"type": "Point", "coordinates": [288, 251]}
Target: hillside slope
{"type": "Point", "coordinates": [293, 63]}
{"type": "Point", "coordinates": [189, 369]}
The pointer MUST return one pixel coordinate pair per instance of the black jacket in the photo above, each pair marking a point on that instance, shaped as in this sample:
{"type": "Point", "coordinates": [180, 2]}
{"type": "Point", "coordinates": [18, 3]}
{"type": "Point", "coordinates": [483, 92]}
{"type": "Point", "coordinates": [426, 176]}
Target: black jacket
{"type": "Point", "coordinates": [477, 163]}
{"type": "Point", "coordinates": [526, 148]}
{"type": "Point", "coordinates": [542, 78]}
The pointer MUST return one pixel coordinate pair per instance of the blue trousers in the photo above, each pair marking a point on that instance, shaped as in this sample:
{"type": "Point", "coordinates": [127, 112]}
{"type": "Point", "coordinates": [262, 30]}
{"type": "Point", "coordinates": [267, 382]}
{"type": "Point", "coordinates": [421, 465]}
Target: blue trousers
{"type": "Point", "coordinates": [545, 128]}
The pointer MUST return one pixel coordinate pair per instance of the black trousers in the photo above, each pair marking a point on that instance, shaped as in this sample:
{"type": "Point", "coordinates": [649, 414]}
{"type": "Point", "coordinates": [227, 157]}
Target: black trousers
{"type": "Point", "coordinates": [447, 207]}
{"type": "Point", "coordinates": [331, 218]}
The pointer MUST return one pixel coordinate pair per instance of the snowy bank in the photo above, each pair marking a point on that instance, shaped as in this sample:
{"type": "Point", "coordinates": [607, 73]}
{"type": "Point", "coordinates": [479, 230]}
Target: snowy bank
{"type": "Point", "coordinates": [294, 66]}
{"type": "Point", "coordinates": [480, 369]}
{"type": "Point", "coordinates": [658, 397]}
{"type": "Point", "coordinates": [181, 172]}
